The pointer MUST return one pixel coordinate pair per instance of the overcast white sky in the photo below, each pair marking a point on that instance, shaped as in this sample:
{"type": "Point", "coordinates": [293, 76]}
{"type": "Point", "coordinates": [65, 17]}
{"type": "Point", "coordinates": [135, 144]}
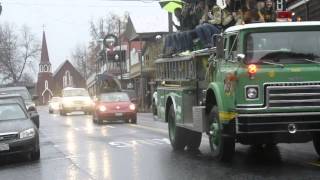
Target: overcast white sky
{"type": "Point", "coordinates": [67, 21]}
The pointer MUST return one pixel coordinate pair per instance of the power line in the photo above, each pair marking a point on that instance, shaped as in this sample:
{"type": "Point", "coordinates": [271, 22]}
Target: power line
{"type": "Point", "coordinates": [85, 3]}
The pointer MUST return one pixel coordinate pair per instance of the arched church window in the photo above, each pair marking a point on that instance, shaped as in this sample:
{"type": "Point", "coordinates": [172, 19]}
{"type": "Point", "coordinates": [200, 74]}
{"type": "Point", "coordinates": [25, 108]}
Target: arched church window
{"type": "Point", "coordinates": [46, 85]}
{"type": "Point", "coordinates": [41, 69]}
{"type": "Point", "coordinates": [64, 81]}
{"type": "Point", "coordinates": [45, 68]}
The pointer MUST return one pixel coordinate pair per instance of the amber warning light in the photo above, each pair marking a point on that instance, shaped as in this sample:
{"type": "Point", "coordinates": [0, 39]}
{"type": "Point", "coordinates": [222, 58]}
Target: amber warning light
{"type": "Point", "coordinates": [252, 69]}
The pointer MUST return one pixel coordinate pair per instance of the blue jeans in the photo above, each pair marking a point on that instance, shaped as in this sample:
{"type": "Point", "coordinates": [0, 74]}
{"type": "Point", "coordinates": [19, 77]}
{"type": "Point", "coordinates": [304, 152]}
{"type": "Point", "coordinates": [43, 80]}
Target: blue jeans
{"type": "Point", "coordinates": [205, 33]}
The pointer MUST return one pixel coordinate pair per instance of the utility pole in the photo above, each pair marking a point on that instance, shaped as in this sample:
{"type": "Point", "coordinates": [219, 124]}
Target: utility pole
{"type": "Point", "coordinates": [170, 21]}
{"type": "Point", "coordinates": [120, 54]}
{"type": "Point", "coordinates": [141, 77]}
{"type": "Point", "coordinates": [307, 10]}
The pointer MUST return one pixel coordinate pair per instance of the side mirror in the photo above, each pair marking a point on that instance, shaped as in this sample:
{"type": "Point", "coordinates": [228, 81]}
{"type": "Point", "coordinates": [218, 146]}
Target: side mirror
{"type": "Point", "coordinates": [218, 43]}
{"type": "Point", "coordinates": [241, 57]}
{"type": "Point", "coordinates": [133, 100]}
{"type": "Point", "coordinates": [35, 97]}
{"type": "Point", "coordinates": [34, 116]}
{"type": "Point", "coordinates": [31, 109]}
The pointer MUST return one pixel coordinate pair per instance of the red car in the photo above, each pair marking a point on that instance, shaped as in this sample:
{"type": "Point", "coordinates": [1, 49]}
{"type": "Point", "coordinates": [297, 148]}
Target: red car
{"type": "Point", "coordinates": [114, 106]}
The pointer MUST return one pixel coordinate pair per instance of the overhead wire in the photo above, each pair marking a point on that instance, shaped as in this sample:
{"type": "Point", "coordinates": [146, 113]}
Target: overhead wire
{"type": "Point", "coordinates": [82, 4]}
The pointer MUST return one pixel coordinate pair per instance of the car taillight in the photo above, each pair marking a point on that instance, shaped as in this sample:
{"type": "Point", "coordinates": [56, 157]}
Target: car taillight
{"type": "Point", "coordinates": [102, 108]}
{"type": "Point", "coordinates": [132, 107]}
{"type": "Point", "coordinates": [252, 70]}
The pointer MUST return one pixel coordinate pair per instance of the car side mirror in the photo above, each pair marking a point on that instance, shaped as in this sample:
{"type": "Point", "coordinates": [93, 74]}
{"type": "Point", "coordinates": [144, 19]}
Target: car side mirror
{"type": "Point", "coordinates": [34, 116]}
{"type": "Point", "coordinates": [133, 100]}
{"type": "Point", "coordinates": [218, 43]}
{"type": "Point", "coordinates": [241, 57]}
{"type": "Point", "coordinates": [31, 109]}
{"type": "Point", "coordinates": [35, 97]}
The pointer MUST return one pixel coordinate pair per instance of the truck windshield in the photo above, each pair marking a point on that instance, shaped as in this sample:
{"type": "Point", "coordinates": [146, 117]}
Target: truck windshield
{"type": "Point", "coordinates": [283, 47]}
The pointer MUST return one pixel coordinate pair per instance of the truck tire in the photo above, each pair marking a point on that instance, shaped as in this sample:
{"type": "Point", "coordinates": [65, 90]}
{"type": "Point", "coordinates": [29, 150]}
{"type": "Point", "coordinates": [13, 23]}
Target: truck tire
{"type": "Point", "coordinates": [177, 135]}
{"type": "Point", "coordinates": [222, 147]}
{"type": "Point", "coordinates": [316, 142]}
{"type": "Point", "coordinates": [194, 140]}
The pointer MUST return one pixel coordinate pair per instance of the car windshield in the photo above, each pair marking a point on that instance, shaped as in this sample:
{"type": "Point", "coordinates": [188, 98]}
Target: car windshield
{"type": "Point", "coordinates": [24, 93]}
{"type": "Point", "coordinates": [114, 97]}
{"type": "Point", "coordinates": [283, 47]}
{"type": "Point", "coordinates": [11, 112]}
{"type": "Point", "coordinates": [75, 92]}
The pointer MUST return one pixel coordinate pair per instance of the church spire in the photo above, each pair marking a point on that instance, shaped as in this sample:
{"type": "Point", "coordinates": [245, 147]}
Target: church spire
{"type": "Point", "coordinates": [44, 51]}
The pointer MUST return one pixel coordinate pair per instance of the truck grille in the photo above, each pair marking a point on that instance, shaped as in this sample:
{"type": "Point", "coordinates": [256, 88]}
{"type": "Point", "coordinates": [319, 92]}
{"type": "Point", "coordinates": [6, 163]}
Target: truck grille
{"type": "Point", "coordinates": [293, 95]}
{"type": "Point", "coordinates": [9, 136]}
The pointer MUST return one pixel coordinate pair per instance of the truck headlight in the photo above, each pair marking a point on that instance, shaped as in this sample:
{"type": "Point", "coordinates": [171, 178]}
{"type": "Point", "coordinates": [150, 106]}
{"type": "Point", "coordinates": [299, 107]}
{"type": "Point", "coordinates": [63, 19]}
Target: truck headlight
{"type": "Point", "coordinates": [252, 92]}
{"type": "Point", "coordinates": [27, 133]}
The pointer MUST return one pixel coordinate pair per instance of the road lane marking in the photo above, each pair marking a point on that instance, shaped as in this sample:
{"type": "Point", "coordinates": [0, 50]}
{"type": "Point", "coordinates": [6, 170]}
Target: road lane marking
{"type": "Point", "coordinates": [135, 142]}
{"type": "Point", "coordinates": [110, 126]}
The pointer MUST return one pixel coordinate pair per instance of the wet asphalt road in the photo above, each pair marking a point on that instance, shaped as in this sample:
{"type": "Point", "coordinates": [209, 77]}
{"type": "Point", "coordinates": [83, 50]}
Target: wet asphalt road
{"type": "Point", "coordinates": [73, 147]}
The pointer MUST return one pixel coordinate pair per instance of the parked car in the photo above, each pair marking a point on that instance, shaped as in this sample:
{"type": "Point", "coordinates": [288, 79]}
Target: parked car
{"type": "Point", "coordinates": [114, 106]}
{"type": "Point", "coordinates": [54, 104]}
{"type": "Point", "coordinates": [75, 99]}
{"type": "Point", "coordinates": [18, 98]}
{"type": "Point", "coordinates": [18, 133]}
{"type": "Point", "coordinates": [23, 91]}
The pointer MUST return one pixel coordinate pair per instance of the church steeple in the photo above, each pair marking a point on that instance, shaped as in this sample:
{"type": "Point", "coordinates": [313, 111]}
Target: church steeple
{"type": "Point", "coordinates": [45, 65]}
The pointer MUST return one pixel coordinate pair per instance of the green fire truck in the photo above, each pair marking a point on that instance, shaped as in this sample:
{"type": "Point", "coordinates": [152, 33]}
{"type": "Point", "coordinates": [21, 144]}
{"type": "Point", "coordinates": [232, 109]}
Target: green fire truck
{"type": "Point", "coordinates": [259, 85]}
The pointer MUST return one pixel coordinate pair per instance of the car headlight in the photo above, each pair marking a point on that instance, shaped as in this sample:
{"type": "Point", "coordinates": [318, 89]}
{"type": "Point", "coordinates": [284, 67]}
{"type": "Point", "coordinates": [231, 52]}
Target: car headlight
{"type": "Point", "coordinates": [132, 107]}
{"type": "Point", "coordinates": [27, 133]}
{"type": "Point", "coordinates": [252, 92]}
{"type": "Point", "coordinates": [102, 108]}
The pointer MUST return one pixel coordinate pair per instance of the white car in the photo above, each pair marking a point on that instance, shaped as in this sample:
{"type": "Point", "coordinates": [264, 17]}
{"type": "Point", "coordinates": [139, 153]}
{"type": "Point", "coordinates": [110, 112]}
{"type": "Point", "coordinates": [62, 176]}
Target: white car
{"type": "Point", "coordinates": [75, 99]}
{"type": "Point", "coordinates": [54, 104]}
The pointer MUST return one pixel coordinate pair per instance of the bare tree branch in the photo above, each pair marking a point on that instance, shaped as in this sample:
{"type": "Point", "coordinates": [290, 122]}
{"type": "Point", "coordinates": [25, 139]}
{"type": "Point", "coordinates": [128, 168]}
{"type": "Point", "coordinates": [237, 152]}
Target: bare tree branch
{"type": "Point", "coordinates": [15, 51]}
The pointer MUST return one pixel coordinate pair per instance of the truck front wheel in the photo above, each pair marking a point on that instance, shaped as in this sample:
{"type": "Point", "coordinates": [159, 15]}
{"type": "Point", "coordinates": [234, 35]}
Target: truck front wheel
{"type": "Point", "coordinates": [222, 147]}
{"type": "Point", "coordinates": [177, 135]}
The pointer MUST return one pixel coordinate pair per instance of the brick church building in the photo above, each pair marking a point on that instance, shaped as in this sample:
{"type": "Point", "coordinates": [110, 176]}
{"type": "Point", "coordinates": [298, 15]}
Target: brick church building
{"type": "Point", "coordinates": [50, 84]}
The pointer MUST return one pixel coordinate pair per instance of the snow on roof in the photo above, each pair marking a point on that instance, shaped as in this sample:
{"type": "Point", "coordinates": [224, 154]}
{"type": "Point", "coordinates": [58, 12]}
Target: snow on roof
{"type": "Point", "coordinates": [156, 22]}
{"type": "Point", "coordinates": [273, 24]}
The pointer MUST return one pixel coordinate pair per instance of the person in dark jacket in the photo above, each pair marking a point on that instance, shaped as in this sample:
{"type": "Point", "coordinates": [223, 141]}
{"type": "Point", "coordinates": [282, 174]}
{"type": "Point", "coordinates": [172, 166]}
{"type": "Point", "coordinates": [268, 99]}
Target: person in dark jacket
{"type": "Point", "coordinates": [268, 12]}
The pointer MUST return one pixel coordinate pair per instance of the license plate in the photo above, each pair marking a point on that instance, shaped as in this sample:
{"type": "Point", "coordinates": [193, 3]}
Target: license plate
{"type": "Point", "coordinates": [118, 114]}
{"type": "Point", "coordinates": [4, 147]}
